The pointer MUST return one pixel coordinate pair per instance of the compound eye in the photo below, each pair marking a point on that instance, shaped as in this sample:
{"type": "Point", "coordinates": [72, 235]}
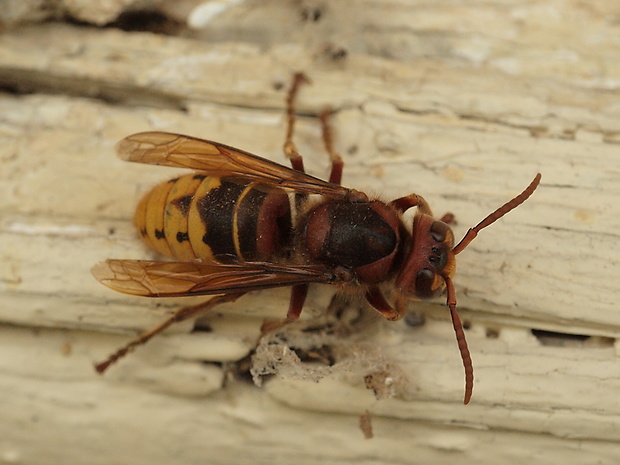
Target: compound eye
{"type": "Point", "coordinates": [439, 231]}
{"type": "Point", "coordinates": [424, 283]}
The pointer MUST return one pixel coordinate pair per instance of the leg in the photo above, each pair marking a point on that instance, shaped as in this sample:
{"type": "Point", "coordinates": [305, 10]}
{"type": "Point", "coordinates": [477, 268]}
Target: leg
{"type": "Point", "coordinates": [181, 314]}
{"type": "Point", "coordinates": [298, 297]}
{"type": "Point", "coordinates": [290, 150]}
{"type": "Point", "coordinates": [414, 200]}
{"type": "Point", "coordinates": [376, 299]}
{"type": "Point", "coordinates": [337, 163]}
{"type": "Point", "coordinates": [448, 218]}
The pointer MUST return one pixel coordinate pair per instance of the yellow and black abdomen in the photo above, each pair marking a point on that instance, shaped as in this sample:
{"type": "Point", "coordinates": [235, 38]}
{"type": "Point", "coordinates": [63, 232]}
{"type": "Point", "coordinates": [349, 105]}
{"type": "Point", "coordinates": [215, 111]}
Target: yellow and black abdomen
{"type": "Point", "coordinates": [215, 219]}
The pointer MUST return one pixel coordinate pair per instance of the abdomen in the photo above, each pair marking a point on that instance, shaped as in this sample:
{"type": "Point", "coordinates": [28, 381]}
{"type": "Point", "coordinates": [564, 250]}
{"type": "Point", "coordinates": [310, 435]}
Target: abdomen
{"type": "Point", "coordinates": [215, 219]}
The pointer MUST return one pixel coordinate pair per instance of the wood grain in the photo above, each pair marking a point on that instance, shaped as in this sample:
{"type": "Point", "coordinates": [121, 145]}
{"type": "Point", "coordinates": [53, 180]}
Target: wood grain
{"type": "Point", "coordinates": [461, 103]}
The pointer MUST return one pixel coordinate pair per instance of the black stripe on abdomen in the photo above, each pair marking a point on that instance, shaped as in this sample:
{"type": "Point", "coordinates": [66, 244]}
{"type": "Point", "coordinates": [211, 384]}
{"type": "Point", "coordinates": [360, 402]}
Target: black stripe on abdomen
{"type": "Point", "coordinates": [217, 209]}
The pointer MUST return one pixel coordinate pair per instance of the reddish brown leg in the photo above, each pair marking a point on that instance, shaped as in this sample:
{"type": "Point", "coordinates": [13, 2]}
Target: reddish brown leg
{"type": "Point", "coordinates": [448, 218]}
{"type": "Point", "coordinates": [337, 163]}
{"type": "Point", "coordinates": [298, 297]}
{"type": "Point", "coordinates": [413, 200]}
{"type": "Point", "coordinates": [376, 299]}
{"type": "Point", "coordinates": [181, 314]}
{"type": "Point", "coordinates": [290, 149]}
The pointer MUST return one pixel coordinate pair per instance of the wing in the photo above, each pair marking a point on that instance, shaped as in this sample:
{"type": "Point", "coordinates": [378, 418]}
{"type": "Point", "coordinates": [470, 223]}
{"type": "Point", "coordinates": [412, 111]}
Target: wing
{"type": "Point", "coordinates": [173, 279]}
{"type": "Point", "coordinates": [162, 148]}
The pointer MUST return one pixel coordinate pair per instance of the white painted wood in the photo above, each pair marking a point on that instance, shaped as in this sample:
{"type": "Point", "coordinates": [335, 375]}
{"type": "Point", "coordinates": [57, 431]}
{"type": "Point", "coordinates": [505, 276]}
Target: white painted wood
{"type": "Point", "coordinates": [462, 103]}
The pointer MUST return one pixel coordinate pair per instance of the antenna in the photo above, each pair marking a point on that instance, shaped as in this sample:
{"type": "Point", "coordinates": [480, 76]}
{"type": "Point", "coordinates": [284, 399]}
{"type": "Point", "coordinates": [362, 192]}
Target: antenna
{"type": "Point", "coordinates": [451, 301]}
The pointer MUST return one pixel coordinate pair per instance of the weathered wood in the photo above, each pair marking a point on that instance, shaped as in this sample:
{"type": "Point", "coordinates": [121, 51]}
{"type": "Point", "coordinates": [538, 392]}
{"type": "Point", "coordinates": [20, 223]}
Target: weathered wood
{"type": "Point", "coordinates": [467, 135]}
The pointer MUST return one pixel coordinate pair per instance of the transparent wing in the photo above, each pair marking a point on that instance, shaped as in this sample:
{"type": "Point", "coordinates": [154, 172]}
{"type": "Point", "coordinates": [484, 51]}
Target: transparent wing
{"type": "Point", "coordinates": [169, 279]}
{"type": "Point", "coordinates": [162, 148]}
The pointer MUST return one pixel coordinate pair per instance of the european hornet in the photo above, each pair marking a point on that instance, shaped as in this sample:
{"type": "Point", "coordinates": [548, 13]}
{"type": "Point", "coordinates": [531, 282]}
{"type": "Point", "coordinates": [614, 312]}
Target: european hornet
{"type": "Point", "coordinates": [232, 229]}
